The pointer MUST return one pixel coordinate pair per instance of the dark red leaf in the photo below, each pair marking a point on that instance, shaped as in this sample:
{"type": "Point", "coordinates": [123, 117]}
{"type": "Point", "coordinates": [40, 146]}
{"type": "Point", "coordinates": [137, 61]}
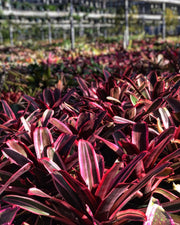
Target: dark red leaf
{"type": "Point", "coordinates": [102, 212]}
{"type": "Point", "coordinates": [106, 74]}
{"type": "Point", "coordinates": [140, 136]}
{"type": "Point", "coordinates": [48, 97]}
{"type": "Point", "coordinates": [7, 215]}
{"type": "Point", "coordinates": [156, 150]}
{"type": "Point", "coordinates": [134, 188]}
{"type": "Point", "coordinates": [16, 157]}
{"type": "Point", "coordinates": [8, 110]}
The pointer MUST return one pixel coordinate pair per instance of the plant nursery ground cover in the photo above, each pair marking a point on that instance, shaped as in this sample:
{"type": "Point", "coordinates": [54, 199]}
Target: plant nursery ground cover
{"type": "Point", "coordinates": [90, 136]}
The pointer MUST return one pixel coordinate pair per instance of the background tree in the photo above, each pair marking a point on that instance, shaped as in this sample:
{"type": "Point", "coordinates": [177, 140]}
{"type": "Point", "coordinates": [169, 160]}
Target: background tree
{"type": "Point", "coordinates": [134, 26]}
{"type": "Point", "coordinates": [171, 17]}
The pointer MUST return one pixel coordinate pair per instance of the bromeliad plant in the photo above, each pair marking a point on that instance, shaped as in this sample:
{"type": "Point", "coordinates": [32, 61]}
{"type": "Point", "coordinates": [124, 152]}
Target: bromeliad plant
{"type": "Point", "coordinates": [55, 154]}
{"type": "Point", "coordinates": [104, 152]}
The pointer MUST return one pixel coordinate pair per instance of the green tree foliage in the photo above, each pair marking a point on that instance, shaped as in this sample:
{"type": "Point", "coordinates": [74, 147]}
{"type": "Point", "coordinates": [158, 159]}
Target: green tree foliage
{"type": "Point", "coordinates": [171, 17]}
{"type": "Point", "coordinates": [133, 20]}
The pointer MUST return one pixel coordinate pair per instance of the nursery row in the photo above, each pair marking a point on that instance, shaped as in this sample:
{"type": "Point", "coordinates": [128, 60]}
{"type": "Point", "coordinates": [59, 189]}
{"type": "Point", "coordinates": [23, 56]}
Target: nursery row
{"type": "Point", "coordinates": [99, 145]}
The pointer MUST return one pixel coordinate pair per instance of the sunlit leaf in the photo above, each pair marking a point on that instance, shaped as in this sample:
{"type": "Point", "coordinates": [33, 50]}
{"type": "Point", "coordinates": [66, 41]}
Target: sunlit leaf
{"type": "Point", "coordinates": [156, 215]}
{"type": "Point", "coordinates": [88, 163]}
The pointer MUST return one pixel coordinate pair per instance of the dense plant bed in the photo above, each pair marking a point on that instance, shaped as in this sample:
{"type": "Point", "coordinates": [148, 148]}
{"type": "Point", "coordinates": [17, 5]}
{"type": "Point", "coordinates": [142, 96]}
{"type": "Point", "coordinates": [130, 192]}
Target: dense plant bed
{"type": "Point", "coordinates": [103, 150]}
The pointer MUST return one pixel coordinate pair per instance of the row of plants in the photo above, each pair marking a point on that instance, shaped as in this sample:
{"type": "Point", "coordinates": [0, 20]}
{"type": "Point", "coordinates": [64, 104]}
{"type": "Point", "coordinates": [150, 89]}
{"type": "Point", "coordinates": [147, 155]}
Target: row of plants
{"type": "Point", "coordinates": [99, 144]}
{"type": "Point", "coordinates": [43, 67]}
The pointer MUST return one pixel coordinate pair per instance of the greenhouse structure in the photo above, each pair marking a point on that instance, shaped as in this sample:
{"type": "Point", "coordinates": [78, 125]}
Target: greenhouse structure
{"type": "Point", "coordinates": [55, 19]}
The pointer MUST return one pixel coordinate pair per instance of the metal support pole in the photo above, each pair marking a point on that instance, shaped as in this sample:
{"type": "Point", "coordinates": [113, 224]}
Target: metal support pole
{"type": "Point", "coordinates": [164, 20]}
{"type": "Point", "coordinates": [72, 26]}
{"type": "Point", "coordinates": [49, 32]}
{"type": "Point", "coordinates": [143, 20]}
{"type": "Point", "coordinates": [126, 33]}
{"type": "Point", "coordinates": [11, 34]}
{"type": "Point", "coordinates": [81, 28]}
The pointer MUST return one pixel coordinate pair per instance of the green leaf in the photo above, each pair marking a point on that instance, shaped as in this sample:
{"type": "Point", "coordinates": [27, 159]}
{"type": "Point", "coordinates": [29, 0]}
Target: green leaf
{"type": "Point", "coordinates": [134, 100]}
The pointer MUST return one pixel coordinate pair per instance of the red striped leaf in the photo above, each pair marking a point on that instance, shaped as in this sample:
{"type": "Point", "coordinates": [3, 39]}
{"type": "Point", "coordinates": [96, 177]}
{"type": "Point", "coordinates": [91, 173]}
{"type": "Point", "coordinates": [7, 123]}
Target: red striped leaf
{"type": "Point", "coordinates": [102, 212]}
{"type": "Point", "coordinates": [81, 190]}
{"type": "Point", "coordinates": [14, 144]}
{"type": "Point", "coordinates": [173, 155]}
{"type": "Point", "coordinates": [37, 192]}
{"type": "Point", "coordinates": [21, 148]}
{"type": "Point", "coordinates": [15, 176]}
{"type": "Point", "coordinates": [140, 136]}
{"type": "Point", "coordinates": [121, 120]}
{"type": "Point", "coordinates": [15, 157]}
{"type": "Point", "coordinates": [128, 195]}
{"type": "Point", "coordinates": [63, 144]}
{"type": "Point", "coordinates": [48, 97]}
{"type": "Point", "coordinates": [124, 174]}
{"type": "Point", "coordinates": [48, 113]}
{"type": "Point", "coordinates": [67, 191]}
{"type": "Point", "coordinates": [61, 126]}
{"type": "Point", "coordinates": [49, 165]}
{"type": "Point", "coordinates": [155, 105]}
{"type": "Point", "coordinates": [88, 163]}
{"type": "Point", "coordinates": [83, 86]}
{"type": "Point", "coordinates": [124, 216]}
{"type": "Point", "coordinates": [8, 110]}
{"type": "Point", "coordinates": [42, 140]}
{"type": "Point", "coordinates": [36, 207]}
{"type": "Point", "coordinates": [161, 143]}
{"type": "Point", "coordinates": [107, 178]}
{"type": "Point", "coordinates": [172, 206]}
{"type": "Point", "coordinates": [167, 194]}
{"type": "Point", "coordinates": [111, 145]}
{"type": "Point", "coordinates": [7, 215]}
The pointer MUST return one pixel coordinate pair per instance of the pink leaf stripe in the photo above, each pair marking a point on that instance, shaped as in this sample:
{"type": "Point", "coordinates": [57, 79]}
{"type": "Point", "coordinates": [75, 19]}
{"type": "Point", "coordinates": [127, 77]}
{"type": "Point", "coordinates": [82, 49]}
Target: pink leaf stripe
{"type": "Point", "coordinates": [60, 125]}
{"type": "Point", "coordinates": [48, 113]}
{"type": "Point", "coordinates": [7, 215]}
{"type": "Point", "coordinates": [22, 149]}
{"type": "Point", "coordinates": [42, 140]}
{"type": "Point", "coordinates": [67, 191]}
{"type": "Point", "coordinates": [130, 215]}
{"type": "Point", "coordinates": [121, 120]}
{"type": "Point", "coordinates": [37, 208]}
{"type": "Point", "coordinates": [8, 110]}
{"type": "Point", "coordinates": [140, 136]}
{"type": "Point", "coordinates": [15, 157]}
{"type": "Point", "coordinates": [107, 178]}
{"type": "Point", "coordinates": [111, 145]}
{"type": "Point", "coordinates": [105, 206]}
{"type": "Point", "coordinates": [88, 163]}
{"type": "Point", "coordinates": [163, 140]}
{"type": "Point", "coordinates": [136, 187]}
{"type": "Point", "coordinates": [15, 176]}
